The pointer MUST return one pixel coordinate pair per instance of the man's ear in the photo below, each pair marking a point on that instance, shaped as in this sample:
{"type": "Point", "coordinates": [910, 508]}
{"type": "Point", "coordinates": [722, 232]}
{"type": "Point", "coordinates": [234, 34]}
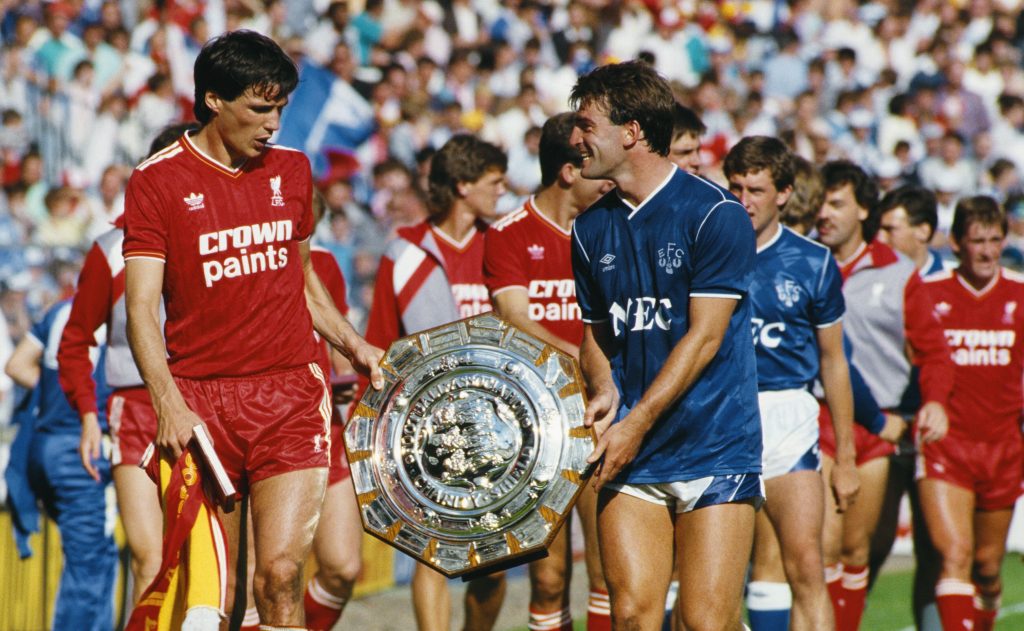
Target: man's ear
{"type": "Point", "coordinates": [568, 174]}
{"type": "Point", "coordinates": [923, 233]}
{"type": "Point", "coordinates": [461, 188]}
{"type": "Point", "coordinates": [632, 133]}
{"type": "Point", "coordinates": [213, 102]}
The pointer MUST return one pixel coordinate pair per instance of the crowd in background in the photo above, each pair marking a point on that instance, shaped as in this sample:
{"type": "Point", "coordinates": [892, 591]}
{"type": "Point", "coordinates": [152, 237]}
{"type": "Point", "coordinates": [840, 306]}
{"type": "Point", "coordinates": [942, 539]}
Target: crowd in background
{"type": "Point", "coordinates": [928, 92]}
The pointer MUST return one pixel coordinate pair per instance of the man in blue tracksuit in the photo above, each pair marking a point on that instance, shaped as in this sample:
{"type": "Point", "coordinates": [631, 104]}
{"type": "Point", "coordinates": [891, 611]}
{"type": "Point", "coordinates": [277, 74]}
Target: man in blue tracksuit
{"type": "Point", "coordinates": [53, 473]}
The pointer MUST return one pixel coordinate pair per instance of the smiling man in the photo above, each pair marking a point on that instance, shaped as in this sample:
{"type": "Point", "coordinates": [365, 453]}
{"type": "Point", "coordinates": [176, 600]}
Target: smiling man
{"type": "Point", "coordinates": [219, 224]}
{"type": "Point", "coordinates": [663, 265]}
{"type": "Point", "coordinates": [970, 480]}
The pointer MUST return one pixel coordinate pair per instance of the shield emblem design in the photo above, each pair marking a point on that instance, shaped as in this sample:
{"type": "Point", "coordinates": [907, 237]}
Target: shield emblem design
{"type": "Point", "coordinates": [471, 456]}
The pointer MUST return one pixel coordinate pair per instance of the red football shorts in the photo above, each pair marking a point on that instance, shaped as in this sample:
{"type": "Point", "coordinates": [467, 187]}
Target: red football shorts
{"type": "Point", "coordinates": [994, 471]}
{"type": "Point", "coordinates": [339, 462]}
{"type": "Point", "coordinates": [868, 445]}
{"type": "Point", "coordinates": [267, 424]}
{"type": "Point", "coordinates": [132, 424]}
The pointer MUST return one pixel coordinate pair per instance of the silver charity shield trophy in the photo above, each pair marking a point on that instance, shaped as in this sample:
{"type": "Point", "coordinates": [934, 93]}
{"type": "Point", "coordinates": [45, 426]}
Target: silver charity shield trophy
{"type": "Point", "coordinates": [472, 454]}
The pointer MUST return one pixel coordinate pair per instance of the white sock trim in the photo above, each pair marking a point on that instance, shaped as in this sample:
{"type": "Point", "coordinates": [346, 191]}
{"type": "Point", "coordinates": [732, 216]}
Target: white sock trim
{"type": "Point", "coordinates": [252, 617]}
{"type": "Point", "coordinates": [549, 621]}
{"type": "Point", "coordinates": [954, 587]}
{"type": "Point", "coordinates": [321, 596]}
{"type": "Point", "coordinates": [769, 596]}
{"type": "Point", "coordinates": [599, 604]}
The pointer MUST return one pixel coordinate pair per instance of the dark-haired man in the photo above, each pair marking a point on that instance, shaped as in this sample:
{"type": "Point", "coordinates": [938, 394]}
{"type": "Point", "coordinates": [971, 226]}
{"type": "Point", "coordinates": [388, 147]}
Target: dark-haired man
{"type": "Point", "coordinates": [218, 223]}
{"type": "Point", "coordinates": [687, 129]}
{"type": "Point", "coordinates": [432, 274]}
{"type": "Point", "coordinates": [888, 312]}
{"type": "Point", "coordinates": [528, 268]}
{"type": "Point", "coordinates": [797, 304]}
{"type": "Point", "coordinates": [663, 266]}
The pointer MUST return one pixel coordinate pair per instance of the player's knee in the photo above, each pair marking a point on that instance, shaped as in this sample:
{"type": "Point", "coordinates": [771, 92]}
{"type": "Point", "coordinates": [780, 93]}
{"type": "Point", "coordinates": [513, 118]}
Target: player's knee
{"type": "Point", "coordinates": [280, 579]}
{"type": "Point", "coordinates": [708, 618]}
{"type": "Point", "coordinates": [987, 564]}
{"type": "Point", "coordinates": [957, 555]}
{"type": "Point", "coordinates": [547, 586]}
{"type": "Point", "coordinates": [340, 572]}
{"type": "Point", "coordinates": [805, 568]}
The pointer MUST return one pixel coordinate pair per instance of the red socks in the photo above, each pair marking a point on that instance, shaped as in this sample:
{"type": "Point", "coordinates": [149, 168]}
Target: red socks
{"type": "Point", "coordinates": [955, 600]}
{"type": "Point", "coordinates": [853, 590]}
{"type": "Point", "coordinates": [599, 611]}
{"type": "Point", "coordinates": [323, 609]}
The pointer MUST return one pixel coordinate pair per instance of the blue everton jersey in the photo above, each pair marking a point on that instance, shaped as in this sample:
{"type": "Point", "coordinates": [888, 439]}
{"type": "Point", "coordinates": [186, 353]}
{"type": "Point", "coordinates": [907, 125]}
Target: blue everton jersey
{"type": "Point", "coordinates": [636, 268]}
{"type": "Point", "coordinates": [55, 414]}
{"type": "Point", "coordinates": [797, 290]}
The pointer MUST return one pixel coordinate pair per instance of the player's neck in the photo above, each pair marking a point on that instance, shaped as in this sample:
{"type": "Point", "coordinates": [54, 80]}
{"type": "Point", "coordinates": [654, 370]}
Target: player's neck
{"type": "Point", "coordinates": [768, 233]}
{"type": "Point", "coordinates": [642, 176]}
{"type": "Point", "coordinates": [557, 205]}
{"type": "Point", "coordinates": [211, 143]}
{"type": "Point", "coordinates": [922, 258]}
{"type": "Point", "coordinates": [845, 251]}
{"type": "Point", "coordinates": [457, 222]}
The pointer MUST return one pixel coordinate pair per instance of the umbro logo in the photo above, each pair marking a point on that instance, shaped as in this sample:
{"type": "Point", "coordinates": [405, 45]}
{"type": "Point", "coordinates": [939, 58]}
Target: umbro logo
{"type": "Point", "coordinates": [606, 260]}
{"type": "Point", "coordinates": [943, 308]}
{"type": "Point", "coordinates": [536, 252]}
{"type": "Point", "coordinates": [194, 201]}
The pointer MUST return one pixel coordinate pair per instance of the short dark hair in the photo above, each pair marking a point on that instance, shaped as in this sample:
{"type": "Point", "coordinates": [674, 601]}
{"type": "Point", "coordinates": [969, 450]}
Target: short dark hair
{"type": "Point", "coordinates": [757, 153]}
{"type": "Point", "coordinates": [919, 204]}
{"type": "Point", "coordinates": [169, 135]}
{"type": "Point", "coordinates": [686, 121]}
{"type": "Point", "coordinates": [555, 150]}
{"type": "Point", "coordinates": [840, 172]}
{"type": "Point", "coordinates": [980, 209]}
{"type": "Point", "coordinates": [234, 62]}
{"type": "Point", "coordinates": [464, 158]}
{"type": "Point", "coordinates": [630, 91]}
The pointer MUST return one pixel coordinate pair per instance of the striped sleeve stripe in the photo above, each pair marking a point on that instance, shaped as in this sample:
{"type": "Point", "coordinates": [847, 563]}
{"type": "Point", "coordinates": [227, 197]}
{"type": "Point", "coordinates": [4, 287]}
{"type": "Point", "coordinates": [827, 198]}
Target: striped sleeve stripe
{"type": "Point", "coordinates": [508, 287]}
{"type": "Point", "coordinates": [169, 152]}
{"type": "Point", "coordinates": [146, 254]}
{"type": "Point", "coordinates": [714, 295]}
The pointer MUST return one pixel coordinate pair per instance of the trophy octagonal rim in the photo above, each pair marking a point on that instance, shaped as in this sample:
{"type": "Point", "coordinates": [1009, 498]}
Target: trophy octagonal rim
{"type": "Point", "coordinates": [474, 452]}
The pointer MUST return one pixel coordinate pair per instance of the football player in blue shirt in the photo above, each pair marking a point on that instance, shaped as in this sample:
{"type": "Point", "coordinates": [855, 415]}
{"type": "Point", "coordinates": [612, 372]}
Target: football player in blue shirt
{"type": "Point", "coordinates": [72, 498]}
{"type": "Point", "coordinates": [797, 305]}
{"type": "Point", "coordinates": [663, 265]}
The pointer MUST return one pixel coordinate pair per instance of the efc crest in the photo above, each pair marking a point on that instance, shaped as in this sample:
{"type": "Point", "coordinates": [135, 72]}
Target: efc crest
{"type": "Point", "coordinates": [788, 291]}
{"type": "Point", "coordinates": [670, 258]}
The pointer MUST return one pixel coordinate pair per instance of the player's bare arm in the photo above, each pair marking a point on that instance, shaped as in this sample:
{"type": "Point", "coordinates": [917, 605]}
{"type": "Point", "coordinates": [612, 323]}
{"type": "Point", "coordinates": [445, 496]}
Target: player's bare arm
{"type": "Point", "coordinates": [23, 366]}
{"type": "Point", "coordinates": [89, 444]}
{"type": "Point", "coordinates": [709, 320]}
{"type": "Point", "coordinates": [333, 326]}
{"type": "Point", "coordinates": [835, 376]}
{"type": "Point", "coordinates": [144, 279]}
{"type": "Point", "coordinates": [513, 304]}
{"type": "Point", "coordinates": [597, 373]}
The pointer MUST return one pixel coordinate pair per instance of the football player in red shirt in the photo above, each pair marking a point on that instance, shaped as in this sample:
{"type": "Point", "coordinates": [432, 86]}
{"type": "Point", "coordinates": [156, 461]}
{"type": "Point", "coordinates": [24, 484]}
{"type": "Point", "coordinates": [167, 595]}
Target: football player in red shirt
{"type": "Point", "coordinates": [99, 301]}
{"type": "Point", "coordinates": [528, 268]}
{"type": "Point", "coordinates": [218, 224]}
{"type": "Point", "coordinates": [970, 480]}
{"type": "Point", "coordinates": [432, 274]}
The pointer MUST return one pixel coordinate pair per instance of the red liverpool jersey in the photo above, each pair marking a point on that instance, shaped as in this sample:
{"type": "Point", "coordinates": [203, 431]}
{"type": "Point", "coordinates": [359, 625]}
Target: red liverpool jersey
{"type": "Point", "coordinates": [985, 333]}
{"type": "Point", "coordinates": [464, 267]}
{"type": "Point", "coordinates": [526, 250]}
{"type": "Point", "coordinates": [233, 281]}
